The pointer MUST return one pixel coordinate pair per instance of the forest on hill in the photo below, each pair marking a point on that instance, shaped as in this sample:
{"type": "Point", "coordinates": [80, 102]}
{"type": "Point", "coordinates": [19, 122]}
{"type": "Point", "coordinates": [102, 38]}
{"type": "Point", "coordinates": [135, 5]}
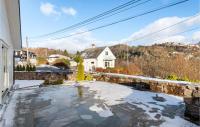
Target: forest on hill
{"type": "Point", "coordinates": [167, 60]}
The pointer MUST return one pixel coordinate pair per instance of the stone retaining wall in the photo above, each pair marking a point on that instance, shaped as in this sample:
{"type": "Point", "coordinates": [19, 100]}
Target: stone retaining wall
{"type": "Point", "coordinates": [40, 75]}
{"type": "Point", "coordinates": [190, 91]}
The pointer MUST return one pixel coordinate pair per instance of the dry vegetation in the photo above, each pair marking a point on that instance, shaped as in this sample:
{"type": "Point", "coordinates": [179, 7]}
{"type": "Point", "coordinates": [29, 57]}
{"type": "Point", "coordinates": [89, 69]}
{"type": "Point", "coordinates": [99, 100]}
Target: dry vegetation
{"type": "Point", "coordinates": [160, 60]}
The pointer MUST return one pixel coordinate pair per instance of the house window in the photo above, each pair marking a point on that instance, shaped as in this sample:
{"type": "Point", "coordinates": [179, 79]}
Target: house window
{"type": "Point", "coordinates": [92, 62]}
{"type": "Point", "coordinates": [106, 53]}
{"type": "Point", "coordinates": [107, 64]}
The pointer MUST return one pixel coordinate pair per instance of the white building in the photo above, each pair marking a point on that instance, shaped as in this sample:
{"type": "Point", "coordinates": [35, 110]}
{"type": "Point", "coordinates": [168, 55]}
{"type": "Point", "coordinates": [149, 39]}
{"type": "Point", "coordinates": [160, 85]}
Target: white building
{"type": "Point", "coordinates": [52, 58]}
{"type": "Point", "coordinates": [10, 39]}
{"type": "Point", "coordinates": [101, 57]}
{"type": "Point", "coordinates": [73, 63]}
{"type": "Point", "coordinates": [21, 58]}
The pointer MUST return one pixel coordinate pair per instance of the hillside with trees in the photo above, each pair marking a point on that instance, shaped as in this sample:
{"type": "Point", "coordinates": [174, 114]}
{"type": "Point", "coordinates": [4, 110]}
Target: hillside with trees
{"type": "Point", "coordinates": [44, 52]}
{"type": "Point", "coordinates": [166, 60]}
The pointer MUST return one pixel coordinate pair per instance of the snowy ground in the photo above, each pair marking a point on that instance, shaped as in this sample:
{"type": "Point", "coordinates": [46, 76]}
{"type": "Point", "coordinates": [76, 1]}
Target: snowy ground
{"type": "Point", "coordinates": [93, 104]}
{"type": "Point", "coordinates": [27, 83]}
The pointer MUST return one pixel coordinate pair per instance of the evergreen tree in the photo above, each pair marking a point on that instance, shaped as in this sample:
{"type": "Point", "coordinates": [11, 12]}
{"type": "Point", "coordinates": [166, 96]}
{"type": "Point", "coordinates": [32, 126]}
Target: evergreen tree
{"type": "Point", "coordinates": [34, 68]}
{"type": "Point", "coordinates": [20, 68]}
{"type": "Point", "coordinates": [27, 67]}
{"type": "Point", "coordinates": [30, 68]}
{"type": "Point", "coordinates": [78, 53]}
{"type": "Point", "coordinates": [77, 58]}
{"type": "Point", "coordinates": [80, 74]}
{"type": "Point", "coordinates": [23, 68]}
{"type": "Point", "coordinates": [66, 53]}
{"type": "Point", "coordinates": [17, 68]}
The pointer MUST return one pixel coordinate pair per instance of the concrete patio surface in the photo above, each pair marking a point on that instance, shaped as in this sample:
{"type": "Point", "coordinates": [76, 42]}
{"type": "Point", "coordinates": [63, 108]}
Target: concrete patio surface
{"type": "Point", "coordinates": [93, 104]}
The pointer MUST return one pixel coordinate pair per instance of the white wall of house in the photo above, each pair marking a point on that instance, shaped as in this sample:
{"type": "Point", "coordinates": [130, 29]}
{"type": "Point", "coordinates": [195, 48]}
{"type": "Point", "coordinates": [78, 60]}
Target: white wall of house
{"type": "Point", "coordinates": [106, 56]}
{"type": "Point", "coordinates": [89, 64]}
{"type": "Point", "coordinates": [105, 59]}
{"type": "Point", "coordinates": [54, 57]}
{"type": "Point", "coordinates": [73, 63]}
{"type": "Point", "coordinates": [10, 39]}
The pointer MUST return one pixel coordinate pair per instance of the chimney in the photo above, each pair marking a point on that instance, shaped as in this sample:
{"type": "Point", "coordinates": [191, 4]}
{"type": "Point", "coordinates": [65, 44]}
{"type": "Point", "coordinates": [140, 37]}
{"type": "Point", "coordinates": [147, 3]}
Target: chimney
{"type": "Point", "coordinates": [93, 46]}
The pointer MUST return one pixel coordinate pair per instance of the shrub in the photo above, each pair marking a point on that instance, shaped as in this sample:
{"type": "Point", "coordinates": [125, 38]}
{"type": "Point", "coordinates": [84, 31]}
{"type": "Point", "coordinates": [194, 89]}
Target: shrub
{"type": "Point", "coordinates": [80, 74]}
{"type": "Point", "coordinates": [20, 68]}
{"type": "Point", "coordinates": [34, 68]}
{"type": "Point", "coordinates": [172, 77]}
{"type": "Point", "coordinates": [99, 69]}
{"type": "Point", "coordinates": [27, 67]}
{"type": "Point", "coordinates": [23, 68]}
{"type": "Point", "coordinates": [17, 68]}
{"type": "Point", "coordinates": [77, 58]}
{"type": "Point", "coordinates": [61, 63]}
{"type": "Point", "coordinates": [88, 77]}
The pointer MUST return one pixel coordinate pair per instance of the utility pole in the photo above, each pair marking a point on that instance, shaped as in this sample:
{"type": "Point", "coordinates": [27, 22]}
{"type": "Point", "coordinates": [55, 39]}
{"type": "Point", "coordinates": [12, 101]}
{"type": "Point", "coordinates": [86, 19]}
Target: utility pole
{"type": "Point", "coordinates": [27, 52]}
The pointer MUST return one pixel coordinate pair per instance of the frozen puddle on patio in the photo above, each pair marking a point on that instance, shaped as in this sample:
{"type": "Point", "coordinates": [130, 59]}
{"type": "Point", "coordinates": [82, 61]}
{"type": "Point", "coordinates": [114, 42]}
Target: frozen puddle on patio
{"type": "Point", "coordinates": [97, 104]}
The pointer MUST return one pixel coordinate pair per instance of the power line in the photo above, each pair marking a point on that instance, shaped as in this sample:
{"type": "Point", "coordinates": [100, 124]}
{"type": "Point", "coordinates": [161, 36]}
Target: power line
{"type": "Point", "coordinates": [182, 32]}
{"type": "Point", "coordinates": [93, 18]}
{"type": "Point", "coordinates": [108, 16]}
{"type": "Point", "coordinates": [122, 20]}
{"type": "Point", "coordinates": [153, 33]}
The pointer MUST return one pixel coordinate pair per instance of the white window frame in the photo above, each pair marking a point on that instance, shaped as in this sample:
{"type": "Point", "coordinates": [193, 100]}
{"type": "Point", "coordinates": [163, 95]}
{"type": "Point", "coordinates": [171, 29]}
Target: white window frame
{"type": "Point", "coordinates": [4, 69]}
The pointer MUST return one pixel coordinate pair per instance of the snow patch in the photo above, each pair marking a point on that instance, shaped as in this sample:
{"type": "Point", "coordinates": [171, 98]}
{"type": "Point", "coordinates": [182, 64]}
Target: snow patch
{"type": "Point", "coordinates": [102, 112]}
{"type": "Point", "coordinates": [114, 94]}
{"type": "Point", "coordinates": [27, 83]}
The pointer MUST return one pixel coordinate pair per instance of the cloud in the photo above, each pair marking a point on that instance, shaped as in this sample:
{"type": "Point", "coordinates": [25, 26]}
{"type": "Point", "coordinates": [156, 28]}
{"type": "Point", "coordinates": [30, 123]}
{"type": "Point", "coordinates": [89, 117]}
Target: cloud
{"type": "Point", "coordinates": [196, 36]}
{"type": "Point", "coordinates": [140, 37]}
{"type": "Point", "coordinates": [72, 44]}
{"type": "Point", "coordinates": [82, 41]}
{"type": "Point", "coordinates": [69, 11]}
{"type": "Point", "coordinates": [48, 9]}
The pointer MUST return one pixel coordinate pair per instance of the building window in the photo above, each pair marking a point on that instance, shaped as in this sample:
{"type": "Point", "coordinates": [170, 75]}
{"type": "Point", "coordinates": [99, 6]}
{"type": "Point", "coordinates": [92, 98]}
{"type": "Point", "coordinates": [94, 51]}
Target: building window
{"type": "Point", "coordinates": [92, 62]}
{"type": "Point", "coordinates": [107, 64]}
{"type": "Point", "coordinates": [106, 53]}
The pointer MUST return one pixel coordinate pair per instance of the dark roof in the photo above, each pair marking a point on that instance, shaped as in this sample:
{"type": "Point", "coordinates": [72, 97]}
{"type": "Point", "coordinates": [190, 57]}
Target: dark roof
{"type": "Point", "coordinates": [92, 52]}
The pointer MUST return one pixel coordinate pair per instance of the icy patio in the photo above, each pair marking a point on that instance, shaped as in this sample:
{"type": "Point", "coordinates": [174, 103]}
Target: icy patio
{"type": "Point", "coordinates": [93, 104]}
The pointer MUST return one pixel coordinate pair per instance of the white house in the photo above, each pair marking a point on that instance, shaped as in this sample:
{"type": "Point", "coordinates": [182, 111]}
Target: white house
{"type": "Point", "coordinates": [10, 40]}
{"type": "Point", "coordinates": [72, 63]}
{"type": "Point", "coordinates": [21, 58]}
{"type": "Point", "coordinates": [54, 57]}
{"type": "Point", "coordinates": [101, 57]}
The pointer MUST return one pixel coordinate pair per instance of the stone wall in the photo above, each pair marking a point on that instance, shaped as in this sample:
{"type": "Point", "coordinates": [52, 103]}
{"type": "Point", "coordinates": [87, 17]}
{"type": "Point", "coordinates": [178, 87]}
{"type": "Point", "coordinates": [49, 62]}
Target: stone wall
{"type": "Point", "coordinates": [40, 75]}
{"type": "Point", "coordinates": [190, 91]}
{"type": "Point", "coordinates": [153, 84]}
{"type": "Point", "coordinates": [192, 105]}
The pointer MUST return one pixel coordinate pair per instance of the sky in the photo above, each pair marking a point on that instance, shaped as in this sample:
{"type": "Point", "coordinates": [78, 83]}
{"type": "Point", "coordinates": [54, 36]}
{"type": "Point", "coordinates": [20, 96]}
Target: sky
{"type": "Point", "coordinates": [41, 17]}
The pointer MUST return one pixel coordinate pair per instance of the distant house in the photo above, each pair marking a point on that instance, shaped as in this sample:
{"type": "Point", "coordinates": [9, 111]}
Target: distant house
{"type": "Point", "coordinates": [10, 40]}
{"type": "Point", "coordinates": [101, 57]}
{"type": "Point", "coordinates": [73, 64]}
{"type": "Point", "coordinates": [52, 58]}
{"type": "Point", "coordinates": [21, 57]}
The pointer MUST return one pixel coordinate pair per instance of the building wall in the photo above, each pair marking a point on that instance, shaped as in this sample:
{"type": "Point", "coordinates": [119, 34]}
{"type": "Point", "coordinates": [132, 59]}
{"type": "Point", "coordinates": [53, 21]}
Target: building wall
{"type": "Point", "coordinates": [5, 39]}
{"type": "Point", "coordinates": [88, 66]}
{"type": "Point", "coordinates": [103, 57]}
{"type": "Point", "coordinates": [53, 58]}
